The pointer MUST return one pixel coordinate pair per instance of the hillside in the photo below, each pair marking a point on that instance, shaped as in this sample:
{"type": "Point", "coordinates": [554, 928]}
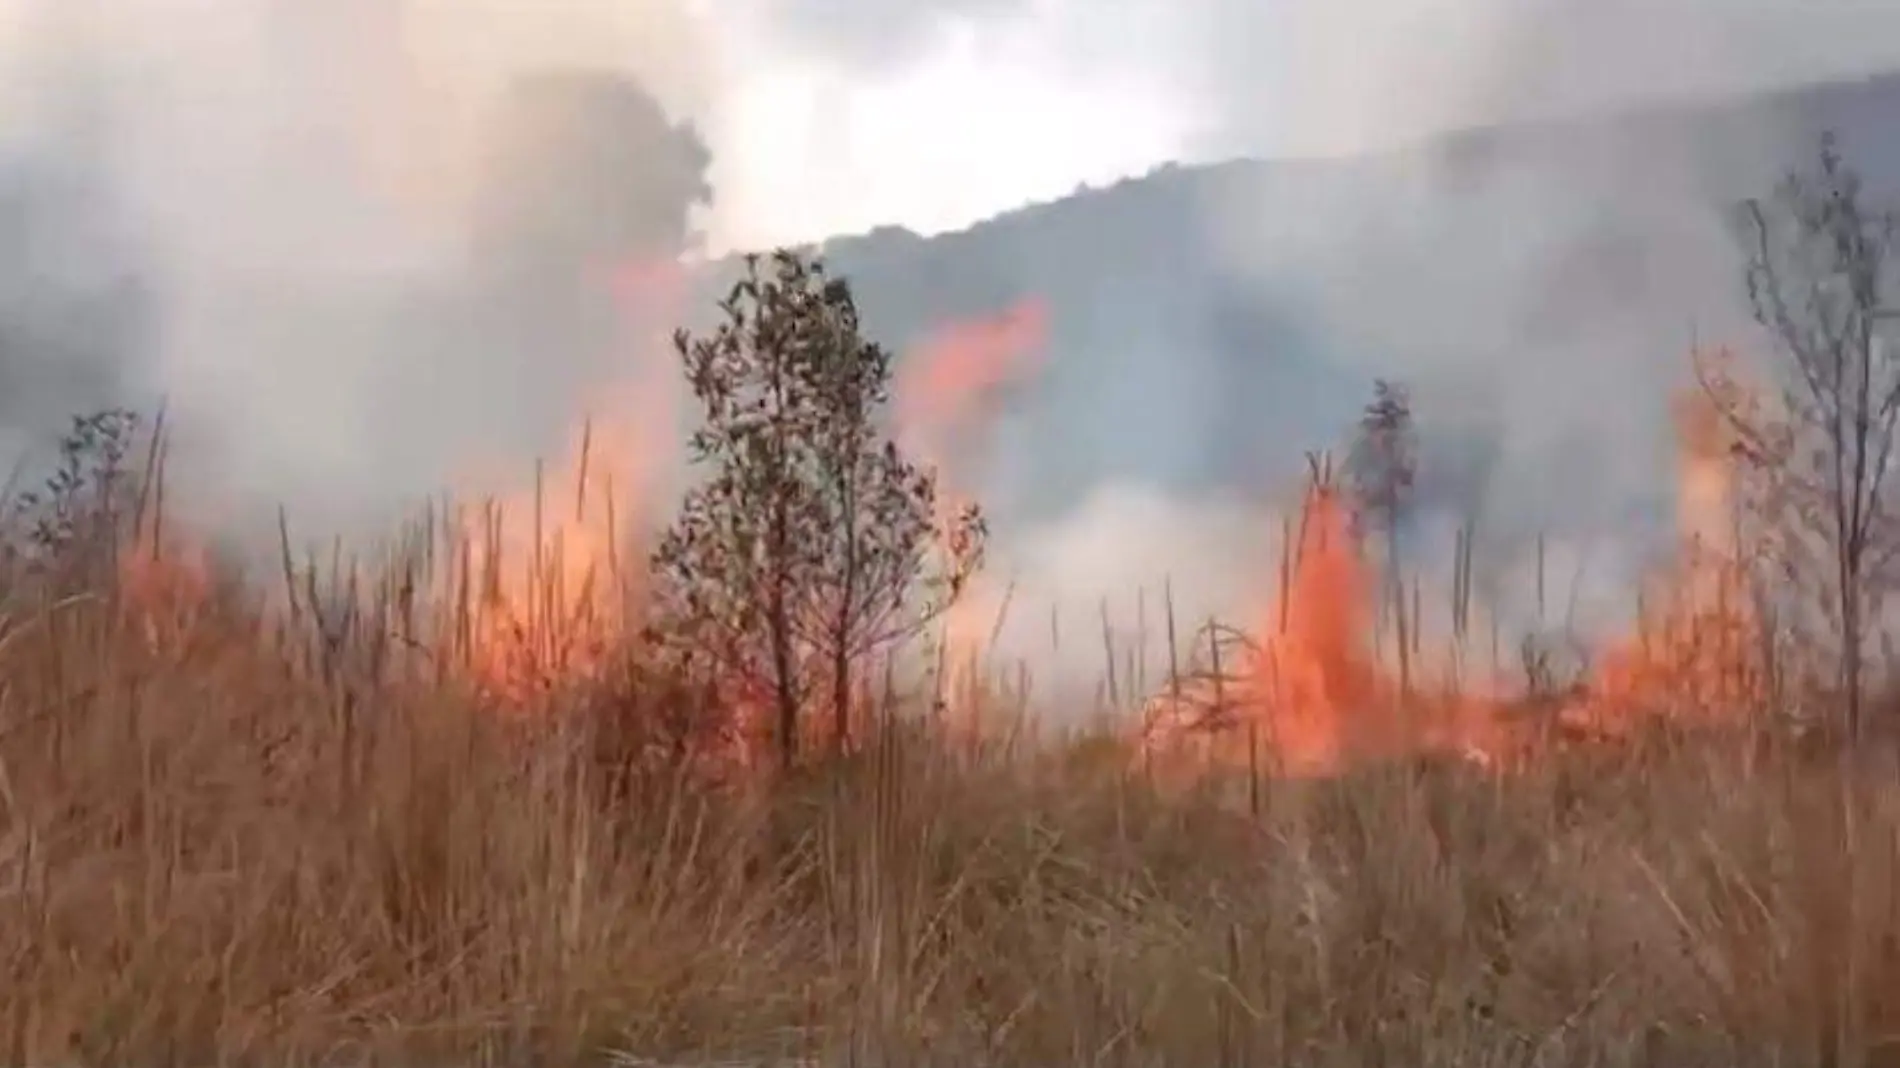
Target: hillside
{"type": "Point", "coordinates": [1537, 285]}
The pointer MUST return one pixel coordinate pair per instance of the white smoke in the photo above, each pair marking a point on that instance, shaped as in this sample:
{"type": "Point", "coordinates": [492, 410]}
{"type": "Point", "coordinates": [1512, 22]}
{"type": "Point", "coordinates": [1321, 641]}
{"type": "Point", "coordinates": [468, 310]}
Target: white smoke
{"type": "Point", "coordinates": [1544, 288]}
{"type": "Point", "coordinates": [305, 184]}
{"type": "Point", "coordinates": [305, 180]}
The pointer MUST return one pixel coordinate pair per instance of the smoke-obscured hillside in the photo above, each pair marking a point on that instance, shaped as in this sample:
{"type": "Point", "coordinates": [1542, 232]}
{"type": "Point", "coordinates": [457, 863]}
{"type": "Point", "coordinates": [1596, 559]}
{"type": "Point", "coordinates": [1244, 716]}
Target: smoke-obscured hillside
{"type": "Point", "coordinates": [1538, 287]}
{"type": "Point", "coordinates": [342, 339]}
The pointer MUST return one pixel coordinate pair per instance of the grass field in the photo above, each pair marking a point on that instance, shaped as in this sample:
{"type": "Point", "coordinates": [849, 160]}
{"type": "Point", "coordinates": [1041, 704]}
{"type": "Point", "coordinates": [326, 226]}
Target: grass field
{"type": "Point", "coordinates": [238, 830]}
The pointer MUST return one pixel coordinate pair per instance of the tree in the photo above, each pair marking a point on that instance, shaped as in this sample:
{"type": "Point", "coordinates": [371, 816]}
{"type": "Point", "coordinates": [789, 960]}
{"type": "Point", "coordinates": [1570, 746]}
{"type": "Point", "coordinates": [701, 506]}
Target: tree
{"type": "Point", "coordinates": [1817, 281]}
{"type": "Point", "coordinates": [1384, 470]}
{"type": "Point", "coordinates": [78, 505]}
{"type": "Point", "coordinates": [813, 542]}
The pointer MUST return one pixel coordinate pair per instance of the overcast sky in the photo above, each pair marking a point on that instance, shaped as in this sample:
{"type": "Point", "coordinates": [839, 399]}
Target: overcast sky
{"type": "Point", "coordinates": [842, 114]}
{"type": "Point", "coordinates": [830, 116]}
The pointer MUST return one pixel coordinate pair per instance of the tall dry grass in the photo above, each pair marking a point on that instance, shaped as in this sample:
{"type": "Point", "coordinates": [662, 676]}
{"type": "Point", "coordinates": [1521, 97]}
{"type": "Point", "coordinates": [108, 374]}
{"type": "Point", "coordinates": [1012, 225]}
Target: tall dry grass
{"type": "Point", "coordinates": [227, 836]}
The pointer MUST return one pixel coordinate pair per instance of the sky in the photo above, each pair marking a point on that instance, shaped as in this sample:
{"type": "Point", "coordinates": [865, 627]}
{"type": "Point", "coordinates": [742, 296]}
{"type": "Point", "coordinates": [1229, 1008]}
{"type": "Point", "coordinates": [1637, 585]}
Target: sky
{"type": "Point", "coordinates": [835, 116]}
{"type": "Point", "coordinates": [844, 114]}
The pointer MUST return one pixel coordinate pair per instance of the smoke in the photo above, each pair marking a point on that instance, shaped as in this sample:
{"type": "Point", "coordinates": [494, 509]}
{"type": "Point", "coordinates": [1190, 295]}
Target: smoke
{"type": "Point", "coordinates": [1099, 583]}
{"type": "Point", "coordinates": [1540, 289]}
{"type": "Point", "coordinates": [1359, 75]}
{"type": "Point", "coordinates": [1349, 76]}
{"type": "Point", "coordinates": [1565, 268]}
{"type": "Point", "coordinates": [353, 247]}
{"type": "Point", "coordinates": [875, 36]}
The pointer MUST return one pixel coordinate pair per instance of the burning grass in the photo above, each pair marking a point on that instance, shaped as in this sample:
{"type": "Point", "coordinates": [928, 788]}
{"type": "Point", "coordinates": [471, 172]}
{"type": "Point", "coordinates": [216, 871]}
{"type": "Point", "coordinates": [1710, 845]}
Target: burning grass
{"type": "Point", "coordinates": [229, 837]}
{"type": "Point", "coordinates": [442, 810]}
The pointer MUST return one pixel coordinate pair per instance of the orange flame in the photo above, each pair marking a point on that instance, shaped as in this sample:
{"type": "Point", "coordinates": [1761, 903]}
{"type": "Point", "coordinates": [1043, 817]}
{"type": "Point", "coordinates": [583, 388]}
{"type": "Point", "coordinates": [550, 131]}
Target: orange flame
{"type": "Point", "coordinates": [557, 597]}
{"type": "Point", "coordinates": [947, 397]}
{"type": "Point", "coordinates": [959, 369]}
{"type": "Point", "coordinates": [1315, 671]}
{"type": "Point", "coordinates": [176, 577]}
{"type": "Point", "coordinates": [1316, 697]}
{"type": "Point", "coordinates": [163, 587]}
{"type": "Point", "coordinates": [1694, 651]}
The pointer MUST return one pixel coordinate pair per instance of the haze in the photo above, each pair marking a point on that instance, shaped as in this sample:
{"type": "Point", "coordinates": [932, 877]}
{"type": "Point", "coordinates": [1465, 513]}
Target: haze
{"type": "Point", "coordinates": [282, 218]}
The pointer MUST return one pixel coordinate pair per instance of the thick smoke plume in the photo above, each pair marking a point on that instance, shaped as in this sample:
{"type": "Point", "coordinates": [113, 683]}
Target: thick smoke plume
{"type": "Point", "coordinates": [367, 249]}
{"type": "Point", "coordinates": [1543, 286]}
{"type": "Point", "coordinates": [360, 251]}
{"type": "Point", "coordinates": [1540, 288]}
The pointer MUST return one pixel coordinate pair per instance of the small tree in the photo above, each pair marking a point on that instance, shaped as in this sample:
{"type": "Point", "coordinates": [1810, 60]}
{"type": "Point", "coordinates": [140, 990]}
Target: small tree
{"type": "Point", "coordinates": [812, 543]}
{"type": "Point", "coordinates": [79, 503]}
{"type": "Point", "coordinates": [1384, 469]}
{"type": "Point", "coordinates": [1817, 281]}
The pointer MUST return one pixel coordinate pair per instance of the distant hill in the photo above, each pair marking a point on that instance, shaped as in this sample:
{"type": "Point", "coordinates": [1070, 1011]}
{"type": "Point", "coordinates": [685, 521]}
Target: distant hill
{"type": "Point", "coordinates": [1538, 285]}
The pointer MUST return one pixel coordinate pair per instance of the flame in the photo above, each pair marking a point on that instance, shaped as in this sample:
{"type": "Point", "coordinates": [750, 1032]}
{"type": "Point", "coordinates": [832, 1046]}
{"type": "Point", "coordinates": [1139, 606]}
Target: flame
{"type": "Point", "coordinates": [164, 586]}
{"type": "Point", "coordinates": [946, 406]}
{"type": "Point", "coordinates": [1315, 695]}
{"type": "Point", "coordinates": [1315, 670]}
{"type": "Point", "coordinates": [557, 594]}
{"type": "Point", "coordinates": [157, 580]}
{"type": "Point", "coordinates": [1303, 695]}
{"type": "Point", "coordinates": [957, 372]}
{"type": "Point", "coordinates": [1694, 650]}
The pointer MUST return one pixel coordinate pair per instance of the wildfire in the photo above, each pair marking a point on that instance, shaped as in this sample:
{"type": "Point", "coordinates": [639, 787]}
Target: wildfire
{"type": "Point", "coordinates": [159, 582]}
{"type": "Point", "coordinates": [1314, 669]}
{"type": "Point", "coordinates": [1304, 692]}
{"type": "Point", "coordinates": [1695, 646]}
{"type": "Point", "coordinates": [1314, 695]}
{"type": "Point", "coordinates": [552, 570]}
{"type": "Point", "coordinates": [946, 405]}
{"type": "Point", "coordinates": [164, 571]}
{"type": "Point", "coordinates": [958, 370]}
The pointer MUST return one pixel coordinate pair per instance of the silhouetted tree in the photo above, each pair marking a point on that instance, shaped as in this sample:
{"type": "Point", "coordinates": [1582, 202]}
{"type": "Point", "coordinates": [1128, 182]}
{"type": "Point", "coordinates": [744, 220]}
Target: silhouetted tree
{"type": "Point", "coordinates": [813, 542]}
{"type": "Point", "coordinates": [1817, 277]}
{"type": "Point", "coordinates": [1384, 471]}
{"type": "Point", "coordinates": [80, 498]}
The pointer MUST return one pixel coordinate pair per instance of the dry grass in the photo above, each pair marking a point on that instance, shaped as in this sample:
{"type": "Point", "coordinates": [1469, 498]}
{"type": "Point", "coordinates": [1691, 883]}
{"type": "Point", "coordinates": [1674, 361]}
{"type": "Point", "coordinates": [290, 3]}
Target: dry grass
{"type": "Point", "coordinates": [225, 840]}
